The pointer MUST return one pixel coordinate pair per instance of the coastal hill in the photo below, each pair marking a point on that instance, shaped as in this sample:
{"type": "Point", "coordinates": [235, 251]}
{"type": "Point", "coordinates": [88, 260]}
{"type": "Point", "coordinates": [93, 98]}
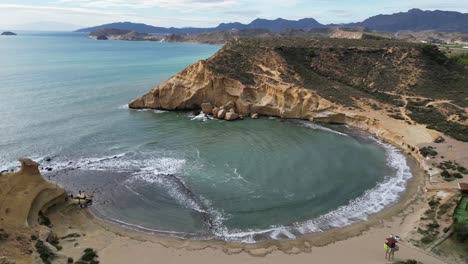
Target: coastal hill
{"type": "Point", "coordinates": [222, 36]}
{"type": "Point", "coordinates": [417, 20]}
{"type": "Point", "coordinates": [414, 19]}
{"type": "Point", "coordinates": [322, 79]}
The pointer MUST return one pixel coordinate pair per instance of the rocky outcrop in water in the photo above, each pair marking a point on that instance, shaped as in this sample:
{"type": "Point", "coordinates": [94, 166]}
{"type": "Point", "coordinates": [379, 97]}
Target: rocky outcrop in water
{"type": "Point", "coordinates": [8, 33]}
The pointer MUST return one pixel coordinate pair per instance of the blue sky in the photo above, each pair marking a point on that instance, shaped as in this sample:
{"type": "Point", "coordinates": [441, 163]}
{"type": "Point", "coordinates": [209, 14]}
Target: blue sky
{"type": "Point", "coordinates": [202, 13]}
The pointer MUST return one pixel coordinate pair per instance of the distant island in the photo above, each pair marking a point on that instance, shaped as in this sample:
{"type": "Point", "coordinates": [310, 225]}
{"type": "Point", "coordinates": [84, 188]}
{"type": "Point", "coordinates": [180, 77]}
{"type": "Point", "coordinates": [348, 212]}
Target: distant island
{"type": "Point", "coordinates": [412, 20]}
{"type": "Point", "coordinates": [8, 33]}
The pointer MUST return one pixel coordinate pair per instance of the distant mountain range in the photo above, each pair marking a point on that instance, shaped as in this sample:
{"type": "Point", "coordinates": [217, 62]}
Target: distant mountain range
{"type": "Point", "coordinates": [414, 19]}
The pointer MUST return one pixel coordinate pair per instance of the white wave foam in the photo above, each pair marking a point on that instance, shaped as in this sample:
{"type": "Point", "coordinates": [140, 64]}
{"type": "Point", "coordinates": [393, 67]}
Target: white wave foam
{"type": "Point", "coordinates": [372, 201]}
{"type": "Point", "coordinates": [123, 107]}
{"type": "Point", "coordinates": [318, 127]}
{"type": "Point", "coordinates": [160, 166]}
{"type": "Point", "coordinates": [200, 117]}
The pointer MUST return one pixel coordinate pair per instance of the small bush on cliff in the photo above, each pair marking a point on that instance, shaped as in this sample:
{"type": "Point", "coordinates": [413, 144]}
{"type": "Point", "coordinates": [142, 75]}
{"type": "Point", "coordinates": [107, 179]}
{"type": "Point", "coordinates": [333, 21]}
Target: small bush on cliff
{"type": "Point", "coordinates": [428, 151]}
{"type": "Point", "coordinates": [90, 256]}
{"type": "Point", "coordinates": [44, 253]}
{"type": "Point", "coordinates": [462, 169]}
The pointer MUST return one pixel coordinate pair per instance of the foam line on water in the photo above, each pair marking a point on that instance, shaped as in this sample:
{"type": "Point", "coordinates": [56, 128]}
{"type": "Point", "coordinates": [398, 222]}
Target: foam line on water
{"type": "Point", "coordinates": [200, 117]}
{"type": "Point", "coordinates": [139, 227]}
{"type": "Point", "coordinates": [319, 127]}
{"type": "Point", "coordinates": [372, 201]}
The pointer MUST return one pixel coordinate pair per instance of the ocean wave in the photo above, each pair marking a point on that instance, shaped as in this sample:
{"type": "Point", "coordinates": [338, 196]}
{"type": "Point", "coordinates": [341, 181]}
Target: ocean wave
{"type": "Point", "coordinates": [318, 127]}
{"type": "Point", "coordinates": [200, 117]}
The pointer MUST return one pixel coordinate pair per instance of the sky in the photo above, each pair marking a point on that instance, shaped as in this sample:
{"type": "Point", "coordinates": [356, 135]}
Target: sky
{"type": "Point", "coordinates": [74, 14]}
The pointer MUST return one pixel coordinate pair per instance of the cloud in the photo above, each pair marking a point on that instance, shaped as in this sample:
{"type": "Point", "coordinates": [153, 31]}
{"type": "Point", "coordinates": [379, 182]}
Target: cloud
{"type": "Point", "coordinates": [341, 12]}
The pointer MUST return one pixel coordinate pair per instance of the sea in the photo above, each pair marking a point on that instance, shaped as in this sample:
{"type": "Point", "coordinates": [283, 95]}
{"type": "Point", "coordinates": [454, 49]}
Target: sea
{"type": "Point", "coordinates": [64, 103]}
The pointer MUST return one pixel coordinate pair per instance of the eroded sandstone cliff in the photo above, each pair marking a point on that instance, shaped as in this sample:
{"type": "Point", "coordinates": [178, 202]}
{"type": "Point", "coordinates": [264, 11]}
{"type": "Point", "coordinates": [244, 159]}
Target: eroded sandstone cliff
{"type": "Point", "coordinates": [24, 196]}
{"type": "Point", "coordinates": [322, 80]}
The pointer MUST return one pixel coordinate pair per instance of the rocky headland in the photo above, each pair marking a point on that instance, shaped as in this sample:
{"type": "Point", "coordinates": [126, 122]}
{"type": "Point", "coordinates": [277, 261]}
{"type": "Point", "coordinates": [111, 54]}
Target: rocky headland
{"type": "Point", "coordinates": [121, 34]}
{"type": "Point", "coordinates": [323, 80]}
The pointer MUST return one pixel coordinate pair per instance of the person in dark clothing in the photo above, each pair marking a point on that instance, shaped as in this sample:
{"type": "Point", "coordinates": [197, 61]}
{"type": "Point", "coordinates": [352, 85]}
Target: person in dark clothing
{"type": "Point", "coordinates": [390, 246]}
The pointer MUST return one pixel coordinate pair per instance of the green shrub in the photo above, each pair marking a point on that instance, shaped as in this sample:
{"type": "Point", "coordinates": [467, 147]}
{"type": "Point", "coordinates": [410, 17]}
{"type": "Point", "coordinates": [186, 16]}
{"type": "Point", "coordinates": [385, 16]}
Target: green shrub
{"type": "Point", "coordinates": [443, 209]}
{"type": "Point", "coordinates": [428, 151]}
{"type": "Point", "coordinates": [427, 239]}
{"type": "Point", "coordinates": [72, 235]}
{"type": "Point", "coordinates": [433, 203]}
{"type": "Point", "coordinates": [446, 174]}
{"type": "Point", "coordinates": [457, 175]}
{"type": "Point", "coordinates": [433, 226]}
{"type": "Point", "coordinates": [70, 260]}
{"type": "Point", "coordinates": [462, 169]}
{"type": "Point", "coordinates": [44, 253]}
{"type": "Point", "coordinates": [89, 255]}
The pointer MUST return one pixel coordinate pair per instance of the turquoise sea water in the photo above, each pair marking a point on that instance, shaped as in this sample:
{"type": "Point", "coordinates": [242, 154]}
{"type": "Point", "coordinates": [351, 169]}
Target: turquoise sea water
{"type": "Point", "coordinates": [63, 96]}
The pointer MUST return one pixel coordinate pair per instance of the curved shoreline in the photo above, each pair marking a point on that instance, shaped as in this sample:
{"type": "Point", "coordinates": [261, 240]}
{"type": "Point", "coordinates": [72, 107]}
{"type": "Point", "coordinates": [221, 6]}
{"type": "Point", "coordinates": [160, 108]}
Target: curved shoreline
{"type": "Point", "coordinates": [303, 242]}
{"type": "Point", "coordinates": [356, 210]}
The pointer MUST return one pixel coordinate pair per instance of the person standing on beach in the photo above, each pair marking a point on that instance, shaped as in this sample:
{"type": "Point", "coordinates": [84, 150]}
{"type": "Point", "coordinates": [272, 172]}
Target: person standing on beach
{"type": "Point", "coordinates": [390, 246]}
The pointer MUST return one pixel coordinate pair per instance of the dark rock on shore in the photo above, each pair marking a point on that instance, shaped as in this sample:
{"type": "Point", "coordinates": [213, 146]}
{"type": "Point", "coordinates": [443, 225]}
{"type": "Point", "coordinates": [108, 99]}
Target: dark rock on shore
{"type": "Point", "coordinates": [101, 37]}
{"type": "Point", "coordinates": [9, 33]}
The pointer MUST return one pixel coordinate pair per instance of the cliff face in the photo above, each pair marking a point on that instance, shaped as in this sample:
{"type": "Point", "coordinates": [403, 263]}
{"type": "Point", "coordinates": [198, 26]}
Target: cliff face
{"type": "Point", "coordinates": [199, 83]}
{"type": "Point", "coordinates": [319, 80]}
{"type": "Point", "coordinates": [24, 194]}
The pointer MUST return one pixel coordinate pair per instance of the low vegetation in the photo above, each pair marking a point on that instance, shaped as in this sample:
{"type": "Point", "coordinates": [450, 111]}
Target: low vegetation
{"type": "Point", "coordinates": [44, 253]}
{"type": "Point", "coordinates": [431, 229]}
{"type": "Point", "coordinates": [428, 151]}
{"type": "Point", "coordinates": [460, 58]}
{"type": "Point", "coordinates": [451, 170]}
{"type": "Point", "coordinates": [89, 257]}
{"type": "Point", "coordinates": [409, 261]}
{"type": "Point", "coordinates": [434, 119]}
